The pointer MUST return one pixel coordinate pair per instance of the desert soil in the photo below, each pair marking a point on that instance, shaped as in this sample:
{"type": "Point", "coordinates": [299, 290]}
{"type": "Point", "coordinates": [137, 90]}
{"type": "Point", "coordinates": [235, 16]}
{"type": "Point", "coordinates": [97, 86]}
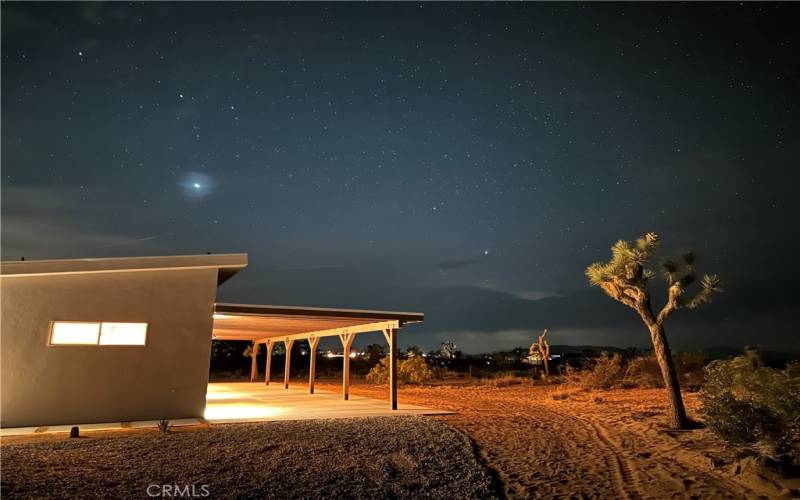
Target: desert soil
{"type": "Point", "coordinates": [383, 457]}
{"type": "Point", "coordinates": [604, 444]}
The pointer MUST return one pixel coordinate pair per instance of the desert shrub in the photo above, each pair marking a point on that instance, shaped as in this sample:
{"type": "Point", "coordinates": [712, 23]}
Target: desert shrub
{"type": "Point", "coordinates": [164, 426]}
{"type": "Point", "coordinates": [379, 374]}
{"type": "Point", "coordinates": [691, 369]}
{"type": "Point", "coordinates": [412, 370]}
{"type": "Point", "coordinates": [607, 372]}
{"type": "Point", "coordinates": [503, 379]}
{"type": "Point", "coordinates": [753, 406]}
{"type": "Point", "coordinates": [444, 373]}
{"type": "Point", "coordinates": [643, 371]}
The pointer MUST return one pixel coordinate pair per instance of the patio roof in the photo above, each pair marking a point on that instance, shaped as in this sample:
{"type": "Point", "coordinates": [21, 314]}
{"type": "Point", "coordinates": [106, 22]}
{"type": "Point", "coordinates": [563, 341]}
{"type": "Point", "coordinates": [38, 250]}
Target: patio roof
{"type": "Point", "coordinates": [266, 322]}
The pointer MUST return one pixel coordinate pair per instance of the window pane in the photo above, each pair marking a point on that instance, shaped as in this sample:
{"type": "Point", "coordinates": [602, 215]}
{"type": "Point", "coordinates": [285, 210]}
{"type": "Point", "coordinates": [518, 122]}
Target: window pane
{"type": "Point", "coordinates": [65, 333]}
{"type": "Point", "coordinates": [123, 333]}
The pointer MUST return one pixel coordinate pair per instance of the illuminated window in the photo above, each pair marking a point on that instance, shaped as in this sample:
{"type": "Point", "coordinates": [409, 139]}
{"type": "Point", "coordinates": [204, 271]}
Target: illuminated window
{"type": "Point", "coordinates": [123, 333]}
{"type": "Point", "coordinates": [86, 333]}
{"type": "Point", "coordinates": [74, 333]}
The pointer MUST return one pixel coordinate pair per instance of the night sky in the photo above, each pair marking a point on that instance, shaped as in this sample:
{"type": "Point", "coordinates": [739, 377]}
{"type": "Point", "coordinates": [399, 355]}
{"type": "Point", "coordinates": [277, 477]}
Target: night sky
{"type": "Point", "coordinates": [463, 160]}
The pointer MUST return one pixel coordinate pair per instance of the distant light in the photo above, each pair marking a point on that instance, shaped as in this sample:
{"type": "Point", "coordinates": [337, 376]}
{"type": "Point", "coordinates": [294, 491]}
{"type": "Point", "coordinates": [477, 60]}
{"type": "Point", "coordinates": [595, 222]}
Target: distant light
{"type": "Point", "coordinates": [196, 185]}
{"type": "Point", "coordinates": [486, 252]}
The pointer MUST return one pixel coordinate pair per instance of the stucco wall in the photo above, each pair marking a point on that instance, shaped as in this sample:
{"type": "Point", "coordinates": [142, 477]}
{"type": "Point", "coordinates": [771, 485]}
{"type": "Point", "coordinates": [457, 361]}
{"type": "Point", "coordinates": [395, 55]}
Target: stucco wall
{"type": "Point", "coordinates": [166, 378]}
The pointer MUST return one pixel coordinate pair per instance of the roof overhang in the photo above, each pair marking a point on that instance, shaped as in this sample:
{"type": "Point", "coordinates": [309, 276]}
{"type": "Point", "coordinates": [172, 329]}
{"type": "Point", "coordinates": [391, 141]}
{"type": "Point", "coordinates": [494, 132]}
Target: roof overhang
{"type": "Point", "coordinates": [226, 264]}
{"type": "Point", "coordinates": [262, 323]}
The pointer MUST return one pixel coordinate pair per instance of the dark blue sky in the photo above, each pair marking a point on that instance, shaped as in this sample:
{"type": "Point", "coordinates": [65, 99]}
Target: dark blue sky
{"type": "Point", "coordinates": [464, 160]}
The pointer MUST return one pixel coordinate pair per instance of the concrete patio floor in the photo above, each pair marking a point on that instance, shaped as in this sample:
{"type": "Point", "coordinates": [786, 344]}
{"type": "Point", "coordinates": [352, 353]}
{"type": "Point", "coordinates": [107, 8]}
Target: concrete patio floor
{"type": "Point", "coordinates": [230, 402]}
{"type": "Point", "coordinates": [247, 402]}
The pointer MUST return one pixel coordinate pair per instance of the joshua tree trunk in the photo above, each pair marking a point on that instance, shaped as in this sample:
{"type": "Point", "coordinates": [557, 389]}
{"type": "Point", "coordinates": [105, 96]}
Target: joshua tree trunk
{"type": "Point", "coordinates": [676, 413]}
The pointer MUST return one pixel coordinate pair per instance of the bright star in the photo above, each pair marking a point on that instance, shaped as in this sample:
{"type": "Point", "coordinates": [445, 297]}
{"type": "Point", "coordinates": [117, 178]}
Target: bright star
{"type": "Point", "coordinates": [486, 252]}
{"type": "Point", "coordinates": [196, 185]}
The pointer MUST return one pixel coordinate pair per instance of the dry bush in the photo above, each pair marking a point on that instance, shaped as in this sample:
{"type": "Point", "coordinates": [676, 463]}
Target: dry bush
{"type": "Point", "coordinates": [164, 426]}
{"type": "Point", "coordinates": [753, 406]}
{"type": "Point", "coordinates": [413, 370]}
{"type": "Point", "coordinates": [379, 374]}
{"type": "Point", "coordinates": [691, 369]}
{"type": "Point", "coordinates": [559, 396]}
{"type": "Point", "coordinates": [644, 372]}
{"type": "Point", "coordinates": [442, 373]}
{"type": "Point", "coordinates": [614, 371]}
{"type": "Point", "coordinates": [606, 372]}
{"type": "Point", "coordinates": [503, 379]}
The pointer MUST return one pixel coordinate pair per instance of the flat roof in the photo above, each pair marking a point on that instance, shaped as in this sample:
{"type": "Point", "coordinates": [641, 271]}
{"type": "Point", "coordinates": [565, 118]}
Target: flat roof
{"type": "Point", "coordinates": [228, 265]}
{"type": "Point", "coordinates": [260, 322]}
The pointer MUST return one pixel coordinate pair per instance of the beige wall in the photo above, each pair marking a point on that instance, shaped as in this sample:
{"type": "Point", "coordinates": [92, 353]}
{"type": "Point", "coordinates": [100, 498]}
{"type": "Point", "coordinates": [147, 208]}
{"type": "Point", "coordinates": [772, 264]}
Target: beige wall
{"type": "Point", "coordinates": [166, 378]}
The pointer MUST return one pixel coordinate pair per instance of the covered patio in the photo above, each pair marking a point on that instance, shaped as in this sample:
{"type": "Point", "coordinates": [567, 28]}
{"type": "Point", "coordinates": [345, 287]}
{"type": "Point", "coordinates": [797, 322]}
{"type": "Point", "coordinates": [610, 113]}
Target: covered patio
{"type": "Point", "coordinates": [268, 325]}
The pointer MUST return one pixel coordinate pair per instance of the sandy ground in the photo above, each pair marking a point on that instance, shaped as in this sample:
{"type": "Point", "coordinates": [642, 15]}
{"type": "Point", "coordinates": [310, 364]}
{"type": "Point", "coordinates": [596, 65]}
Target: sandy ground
{"type": "Point", "coordinates": [605, 444]}
{"type": "Point", "coordinates": [380, 457]}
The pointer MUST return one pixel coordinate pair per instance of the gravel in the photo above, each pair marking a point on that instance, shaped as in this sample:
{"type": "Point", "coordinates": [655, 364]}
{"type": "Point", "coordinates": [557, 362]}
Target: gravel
{"type": "Point", "coordinates": [381, 457]}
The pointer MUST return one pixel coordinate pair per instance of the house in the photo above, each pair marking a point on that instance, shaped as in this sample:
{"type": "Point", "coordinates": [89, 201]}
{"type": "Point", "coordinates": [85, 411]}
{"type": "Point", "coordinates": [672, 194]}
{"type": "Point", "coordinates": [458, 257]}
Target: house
{"type": "Point", "coordinates": [127, 339]}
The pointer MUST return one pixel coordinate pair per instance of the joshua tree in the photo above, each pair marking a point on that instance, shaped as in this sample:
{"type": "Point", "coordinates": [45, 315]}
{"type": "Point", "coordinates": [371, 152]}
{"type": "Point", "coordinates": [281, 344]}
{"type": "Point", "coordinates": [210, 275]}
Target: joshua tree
{"type": "Point", "coordinates": [449, 349]}
{"type": "Point", "coordinates": [625, 279]}
{"type": "Point", "coordinates": [544, 350]}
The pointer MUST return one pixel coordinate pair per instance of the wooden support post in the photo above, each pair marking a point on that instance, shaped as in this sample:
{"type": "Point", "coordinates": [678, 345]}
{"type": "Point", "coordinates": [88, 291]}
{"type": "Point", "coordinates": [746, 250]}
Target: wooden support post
{"type": "Point", "coordinates": [288, 343]}
{"type": "Point", "coordinates": [253, 365]}
{"type": "Point", "coordinates": [270, 345]}
{"type": "Point", "coordinates": [347, 342]}
{"type": "Point", "coordinates": [391, 339]}
{"type": "Point", "coordinates": [313, 342]}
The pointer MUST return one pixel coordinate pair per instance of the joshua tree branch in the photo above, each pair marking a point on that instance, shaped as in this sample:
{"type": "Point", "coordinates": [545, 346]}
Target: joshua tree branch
{"type": "Point", "coordinates": [673, 302]}
{"type": "Point", "coordinates": [617, 294]}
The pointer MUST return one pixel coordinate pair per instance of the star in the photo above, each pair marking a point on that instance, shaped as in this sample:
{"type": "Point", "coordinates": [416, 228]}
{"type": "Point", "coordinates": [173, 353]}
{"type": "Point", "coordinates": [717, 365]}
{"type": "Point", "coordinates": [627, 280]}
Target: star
{"type": "Point", "coordinates": [486, 252]}
{"type": "Point", "coordinates": [197, 185]}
